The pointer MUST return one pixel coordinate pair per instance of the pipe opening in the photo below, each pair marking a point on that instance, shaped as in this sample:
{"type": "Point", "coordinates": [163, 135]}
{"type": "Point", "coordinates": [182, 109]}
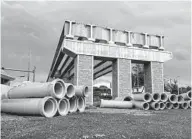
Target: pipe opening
{"type": "Point", "coordinates": [156, 105]}
{"type": "Point", "coordinates": [58, 89]}
{"type": "Point", "coordinates": [156, 97]}
{"type": "Point", "coordinates": [63, 107]}
{"type": "Point", "coordinates": [189, 103]}
{"type": "Point", "coordinates": [81, 104]}
{"type": "Point", "coordinates": [189, 94]}
{"type": "Point", "coordinates": [49, 108]}
{"type": "Point", "coordinates": [164, 97]}
{"type": "Point", "coordinates": [70, 91]}
{"type": "Point", "coordinates": [73, 104]}
{"type": "Point", "coordinates": [185, 105]}
{"type": "Point", "coordinates": [147, 97]}
{"type": "Point", "coordinates": [173, 98]}
{"type": "Point", "coordinates": [128, 98]}
{"type": "Point", "coordinates": [86, 91]}
{"type": "Point", "coordinates": [145, 106]}
{"type": "Point", "coordinates": [175, 105]}
{"type": "Point", "coordinates": [169, 105]}
{"type": "Point", "coordinates": [162, 105]}
{"type": "Point", "coordinates": [180, 98]}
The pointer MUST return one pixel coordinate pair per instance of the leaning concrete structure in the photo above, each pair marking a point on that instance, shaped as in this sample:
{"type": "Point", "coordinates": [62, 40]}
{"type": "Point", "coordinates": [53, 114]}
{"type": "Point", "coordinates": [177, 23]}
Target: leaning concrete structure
{"type": "Point", "coordinates": [86, 52]}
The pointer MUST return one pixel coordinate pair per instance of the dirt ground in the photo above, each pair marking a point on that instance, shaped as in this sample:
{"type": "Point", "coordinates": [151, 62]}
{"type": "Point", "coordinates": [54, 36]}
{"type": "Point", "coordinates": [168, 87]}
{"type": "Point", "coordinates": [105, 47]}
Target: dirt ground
{"type": "Point", "coordinates": [101, 123]}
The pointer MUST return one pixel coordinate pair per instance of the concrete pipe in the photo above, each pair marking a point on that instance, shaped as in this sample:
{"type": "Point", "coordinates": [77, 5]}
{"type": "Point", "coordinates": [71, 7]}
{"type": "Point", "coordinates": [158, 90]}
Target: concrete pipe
{"type": "Point", "coordinates": [38, 90]}
{"type": "Point", "coordinates": [127, 98]}
{"type": "Point", "coordinates": [63, 106]}
{"type": "Point", "coordinates": [176, 105]}
{"type": "Point", "coordinates": [116, 104]}
{"type": "Point", "coordinates": [46, 106]}
{"type": "Point", "coordinates": [164, 97]}
{"type": "Point", "coordinates": [81, 91]}
{"type": "Point", "coordinates": [180, 99]}
{"type": "Point", "coordinates": [184, 105]}
{"type": "Point", "coordinates": [155, 105]}
{"type": "Point", "coordinates": [189, 103]}
{"type": "Point", "coordinates": [142, 97]}
{"type": "Point", "coordinates": [70, 90]}
{"type": "Point", "coordinates": [186, 95]}
{"type": "Point", "coordinates": [169, 105]}
{"type": "Point", "coordinates": [167, 93]}
{"type": "Point", "coordinates": [73, 104]}
{"type": "Point", "coordinates": [156, 97]}
{"type": "Point", "coordinates": [172, 98]}
{"type": "Point", "coordinates": [81, 104]}
{"type": "Point", "coordinates": [162, 105]}
{"type": "Point", "coordinates": [4, 90]}
{"type": "Point", "coordinates": [141, 105]}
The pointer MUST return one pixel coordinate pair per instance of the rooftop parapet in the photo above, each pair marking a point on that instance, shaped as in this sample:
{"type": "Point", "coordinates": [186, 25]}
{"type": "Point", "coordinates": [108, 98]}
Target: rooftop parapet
{"type": "Point", "coordinates": [94, 33]}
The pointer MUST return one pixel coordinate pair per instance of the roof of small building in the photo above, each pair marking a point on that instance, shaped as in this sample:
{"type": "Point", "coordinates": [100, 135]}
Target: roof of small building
{"type": "Point", "coordinates": [6, 76]}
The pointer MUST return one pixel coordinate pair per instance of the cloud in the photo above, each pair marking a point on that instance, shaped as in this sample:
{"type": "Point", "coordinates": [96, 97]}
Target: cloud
{"type": "Point", "coordinates": [181, 54]}
{"type": "Point", "coordinates": [41, 77]}
{"type": "Point", "coordinates": [38, 25]}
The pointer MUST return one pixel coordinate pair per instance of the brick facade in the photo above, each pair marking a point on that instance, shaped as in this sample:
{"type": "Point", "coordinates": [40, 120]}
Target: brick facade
{"type": "Point", "coordinates": [83, 74]}
{"type": "Point", "coordinates": [121, 78]}
{"type": "Point", "coordinates": [154, 77]}
{"type": "Point", "coordinates": [147, 77]}
{"type": "Point", "coordinates": [125, 85]}
{"type": "Point", "coordinates": [114, 79]}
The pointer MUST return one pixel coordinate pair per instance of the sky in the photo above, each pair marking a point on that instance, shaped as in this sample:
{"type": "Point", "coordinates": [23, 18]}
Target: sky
{"type": "Point", "coordinates": [38, 25]}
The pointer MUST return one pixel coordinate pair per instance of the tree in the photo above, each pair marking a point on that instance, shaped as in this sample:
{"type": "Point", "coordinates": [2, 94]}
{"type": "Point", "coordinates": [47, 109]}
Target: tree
{"type": "Point", "coordinates": [173, 87]}
{"type": "Point", "coordinates": [137, 75]}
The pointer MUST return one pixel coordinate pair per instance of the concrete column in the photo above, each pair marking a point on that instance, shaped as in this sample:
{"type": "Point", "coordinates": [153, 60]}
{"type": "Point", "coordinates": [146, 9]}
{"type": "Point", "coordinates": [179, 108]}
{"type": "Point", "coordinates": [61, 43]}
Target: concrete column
{"type": "Point", "coordinates": [121, 78]}
{"type": "Point", "coordinates": [83, 74]}
{"type": "Point", "coordinates": [69, 35]}
{"type": "Point", "coordinates": [129, 39]}
{"type": "Point", "coordinates": [161, 43]}
{"type": "Point", "coordinates": [154, 77]}
{"type": "Point", "coordinates": [91, 33]}
{"type": "Point", "coordinates": [111, 36]}
{"type": "Point", "coordinates": [146, 45]}
{"type": "Point", "coordinates": [115, 85]}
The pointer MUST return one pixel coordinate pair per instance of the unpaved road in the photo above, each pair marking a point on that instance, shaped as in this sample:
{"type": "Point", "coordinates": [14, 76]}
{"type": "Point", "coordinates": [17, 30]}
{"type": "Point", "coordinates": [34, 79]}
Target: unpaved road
{"type": "Point", "coordinates": [100, 123]}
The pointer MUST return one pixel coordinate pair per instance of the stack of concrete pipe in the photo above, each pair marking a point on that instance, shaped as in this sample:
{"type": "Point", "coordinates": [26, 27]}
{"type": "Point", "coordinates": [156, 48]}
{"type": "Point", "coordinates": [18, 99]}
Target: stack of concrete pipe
{"type": "Point", "coordinates": [154, 101]}
{"type": "Point", "coordinates": [141, 101]}
{"type": "Point", "coordinates": [46, 99]}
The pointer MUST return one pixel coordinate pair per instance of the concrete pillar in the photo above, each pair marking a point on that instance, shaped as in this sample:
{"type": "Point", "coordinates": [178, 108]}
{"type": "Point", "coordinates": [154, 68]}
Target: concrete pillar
{"type": "Point", "coordinates": [153, 77]}
{"type": "Point", "coordinates": [111, 36]}
{"type": "Point", "coordinates": [129, 39]}
{"type": "Point", "coordinates": [83, 74]}
{"type": "Point", "coordinates": [114, 79]}
{"type": "Point", "coordinates": [121, 78]}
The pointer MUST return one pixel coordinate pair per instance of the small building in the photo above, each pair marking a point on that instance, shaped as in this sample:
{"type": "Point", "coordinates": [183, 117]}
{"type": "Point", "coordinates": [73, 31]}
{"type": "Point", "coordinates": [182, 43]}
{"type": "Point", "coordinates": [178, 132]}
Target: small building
{"type": "Point", "coordinates": [5, 78]}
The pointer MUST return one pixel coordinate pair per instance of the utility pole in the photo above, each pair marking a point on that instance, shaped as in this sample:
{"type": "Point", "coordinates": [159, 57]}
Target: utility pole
{"type": "Point", "coordinates": [34, 73]}
{"type": "Point", "coordinates": [29, 62]}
